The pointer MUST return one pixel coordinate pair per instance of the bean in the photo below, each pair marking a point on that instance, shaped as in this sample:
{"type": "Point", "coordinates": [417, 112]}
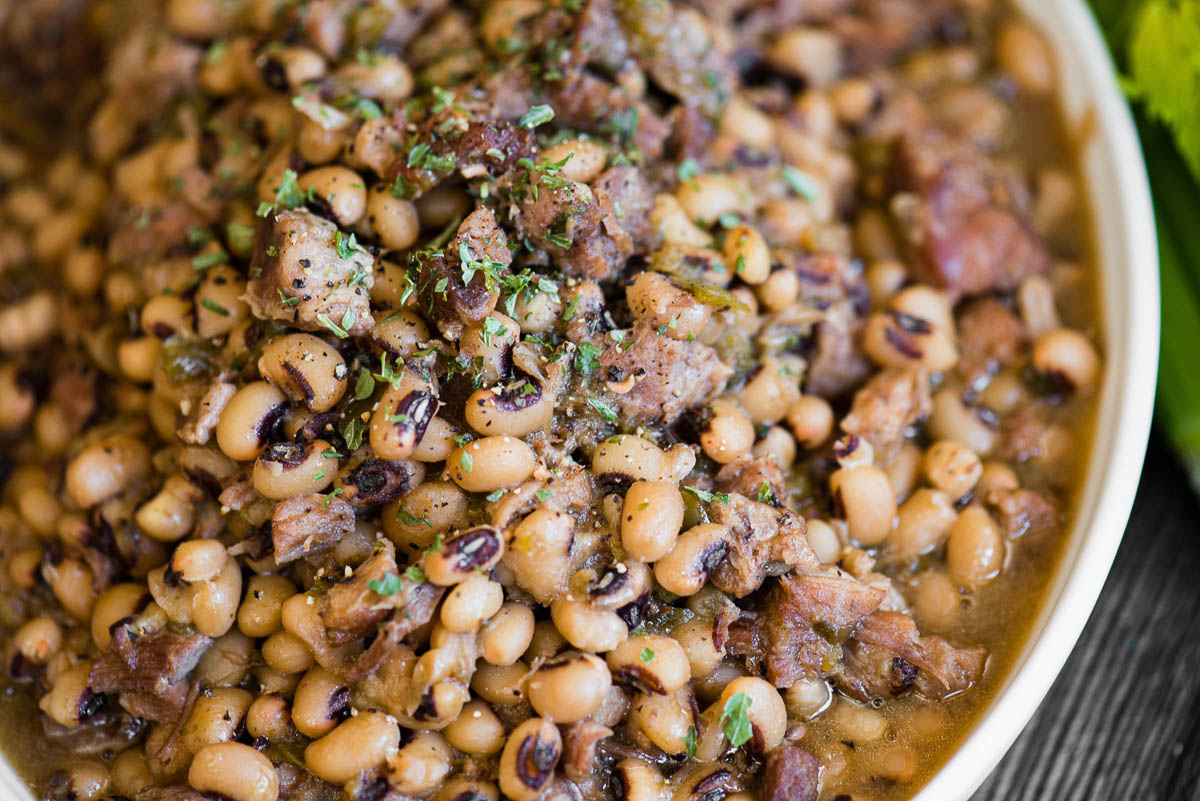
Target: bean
{"type": "Point", "coordinates": [67, 702]}
{"type": "Point", "coordinates": [673, 225]}
{"type": "Point", "coordinates": [130, 773]}
{"type": "Point", "coordinates": [218, 306]}
{"type": "Point", "coordinates": [261, 612]}
{"type": "Point", "coordinates": [421, 765]}
{"type": "Point", "coordinates": [747, 254]}
{"type": "Point", "coordinates": [936, 601]}
{"type": "Point", "coordinates": [813, 54]}
{"type": "Point", "coordinates": [663, 719]}
{"type": "Point", "coordinates": [1024, 55]}
{"type": "Point", "coordinates": [246, 422]}
{"type": "Point", "coordinates": [234, 771]}
{"type": "Point", "coordinates": [471, 602]}
{"type": "Point", "coordinates": [170, 514]}
{"type": "Point", "coordinates": [658, 302]}
{"type": "Point", "coordinates": [569, 688]}
{"type": "Point", "coordinates": [776, 444]}
{"type": "Point", "coordinates": [696, 554]}
{"type": "Point", "coordinates": [1068, 359]}
{"type": "Point", "coordinates": [952, 468]}
{"type": "Point", "coordinates": [996, 476]}
{"type": "Point", "coordinates": [74, 586]}
{"type": "Point", "coordinates": [584, 159]}
{"type": "Point", "coordinates": [810, 419]}
{"type": "Point", "coordinates": [507, 634]}
{"type": "Point", "coordinates": [502, 685]}
{"type": "Point", "coordinates": [771, 390]}
{"type": "Point", "coordinates": [491, 463]}
{"type": "Point", "coordinates": [286, 653]}
{"type": "Point", "coordinates": [363, 742]}
{"type": "Point", "coordinates": [215, 602]}
{"type": "Point", "coordinates": [476, 731]}
{"type": "Point", "coordinates": [708, 196]}
{"type": "Point", "coordinates": [630, 456]}
{"type": "Point", "coordinates": [807, 698]}
{"type": "Point", "coordinates": [651, 518]}
{"type": "Point", "coordinates": [650, 663]}
{"type": "Point", "coordinates": [216, 717]}
{"type": "Point", "coordinates": [288, 469]}
{"type": "Point", "coordinates": [383, 77]}
{"type": "Point", "coordinates": [340, 190]}
{"type": "Point", "coordinates": [514, 410]}
{"type": "Point", "coordinates": [954, 420]}
{"type": "Point", "coordinates": [729, 433]}
{"type": "Point", "coordinates": [320, 698]}
{"type": "Point", "coordinates": [393, 220]}
{"type": "Point", "coordinates": [974, 548]}
{"type": "Point", "coordinates": [586, 627]}
{"type": "Point", "coordinates": [106, 468]}
{"type": "Point", "coordinates": [38, 640]}
{"type": "Point", "coordinates": [767, 712]}
{"type": "Point", "coordinates": [305, 368]}
{"type": "Point", "coordinates": [270, 718]}
{"type": "Point", "coordinates": [317, 144]}
{"type": "Point", "coordinates": [921, 523]}
{"type": "Point", "coordinates": [529, 758]}
{"type": "Point", "coordinates": [824, 541]}
{"type": "Point", "coordinates": [463, 554]}
{"type": "Point", "coordinates": [864, 497]}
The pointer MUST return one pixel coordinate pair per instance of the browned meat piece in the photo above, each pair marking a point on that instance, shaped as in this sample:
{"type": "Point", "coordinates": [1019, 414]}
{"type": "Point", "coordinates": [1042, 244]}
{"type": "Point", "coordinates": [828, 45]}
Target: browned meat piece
{"type": "Point", "coordinates": [887, 657]}
{"type": "Point", "coordinates": [589, 103]}
{"type": "Point", "coordinates": [804, 620]}
{"type": "Point", "coordinates": [203, 420]}
{"type": "Point", "coordinates": [691, 132]}
{"type": "Point", "coordinates": [417, 611]}
{"type": "Point", "coordinates": [686, 63]}
{"type": "Point", "coordinates": [152, 236]}
{"type": "Point", "coordinates": [454, 304]}
{"type": "Point", "coordinates": [352, 610]}
{"type": "Point", "coordinates": [970, 232]}
{"type": "Point", "coordinates": [309, 524]}
{"type": "Point", "coordinates": [472, 143]}
{"type": "Point", "coordinates": [670, 375]}
{"type": "Point", "coordinates": [836, 365]}
{"type": "Point", "coordinates": [761, 535]}
{"type": "Point", "coordinates": [1022, 433]}
{"type": "Point", "coordinates": [590, 232]}
{"type": "Point", "coordinates": [1023, 512]}
{"type": "Point", "coordinates": [108, 729]}
{"type": "Point", "coordinates": [887, 404]}
{"type": "Point", "coordinates": [758, 477]}
{"type": "Point", "coordinates": [165, 707]}
{"type": "Point", "coordinates": [990, 338]}
{"type": "Point", "coordinates": [579, 747]}
{"type": "Point", "coordinates": [792, 774]}
{"type": "Point", "coordinates": [599, 38]}
{"type": "Point", "coordinates": [155, 663]}
{"type": "Point", "coordinates": [569, 492]}
{"type": "Point", "coordinates": [300, 275]}
{"type": "Point", "coordinates": [585, 324]}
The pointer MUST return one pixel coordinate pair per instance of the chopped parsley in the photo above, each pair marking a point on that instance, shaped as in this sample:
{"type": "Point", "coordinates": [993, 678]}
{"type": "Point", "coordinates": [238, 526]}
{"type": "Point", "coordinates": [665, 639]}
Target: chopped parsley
{"type": "Point", "coordinates": [735, 721]}
{"type": "Point", "coordinates": [422, 157]}
{"type": "Point", "coordinates": [368, 109]}
{"type": "Point", "coordinates": [765, 494]}
{"type": "Point", "coordinates": [467, 463]}
{"type": "Point", "coordinates": [689, 742]}
{"type": "Point", "coordinates": [388, 373]}
{"type": "Point", "coordinates": [470, 265]}
{"type": "Point", "coordinates": [206, 260]}
{"type": "Point", "coordinates": [365, 385]}
{"type": "Point", "coordinates": [647, 656]}
{"type": "Point", "coordinates": [288, 195]}
{"type": "Point", "coordinates": [706, 496]}
{"type": "Point", "coordinates": [799, 182]}
{"type": "Point", "coordinates": [494, 495]}
{"type": "Point", "coordinates": [240, 237]}
{"type": "Point", "coordinates": [390, 584]}
{"type": "Point", "coordinates": [603, 408]}
{"type": "Point", "coordinates": [214, 307]}
{"type": "Point", "coordinates": [336, 492]}
{"type": "Point", "coordinates": [537, 115]}
{"type": "Point", "coordinates": [409, 519]}
{"type": "Point", "coordinates": [686, 169]}
{"type": "Point", "coordinates": [543, 494]}
{"type": "Point", "coordinates": [353, 432]}
{"type": "Point", "coordinates": [346, 246]}
{"type": "Point", "coordinates": [587, 358]}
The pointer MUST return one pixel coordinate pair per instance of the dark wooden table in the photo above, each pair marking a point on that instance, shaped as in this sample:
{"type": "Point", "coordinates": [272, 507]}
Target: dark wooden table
{"type": "Point", "coordinates": [1122, 721]}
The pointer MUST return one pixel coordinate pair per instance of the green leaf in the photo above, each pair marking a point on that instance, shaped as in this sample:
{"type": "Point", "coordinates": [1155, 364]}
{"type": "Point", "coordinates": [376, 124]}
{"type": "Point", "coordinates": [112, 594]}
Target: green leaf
{"type": "Point", "coordinates": [390, 584]}
{"type": "Point", "coordinates": [365, 385]}
{"type": "Point", "coordinates": [415, 574]}
{"type": "Point", "coordinates": [240, 237]}
{"type": "Point", "coordinates": [799, 182]}
{"type": "Point", "coordinates": [735, 720]}
{"type": "Point", "coordinates": [467, 463]}
{"type": "Point", "coordinates": [604, 409]}
{"type": "Point", "coordinates": [689, 742]}
{"type": "Point", "coordinates": [537, 115]}
{"type": "Point", "coordinates": [214, 307]}
{"type": "Point", "coordinates": [206, 260]}
{"type": "Point", "coordinates": [409, 519]}
{"type": "Point", "coordinates": [324, 320]}
{"type": "Point", "coordinates": [647, 656]}
{"type": "Point", "coordinates": [687, 169]}
{"type": "Point", "coordinates": [352, 432]}
{"type": "Point", "coordinates": [706, 496]}
{"type": "Point", "coordinates": [587, 358]}
{"type": "Point", "coordinates": [543, 494]}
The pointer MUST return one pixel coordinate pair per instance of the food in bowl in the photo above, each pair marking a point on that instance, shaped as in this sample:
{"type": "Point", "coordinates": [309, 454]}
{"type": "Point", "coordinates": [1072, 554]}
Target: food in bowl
{"type": "Point", "coordinates": [582, 400]}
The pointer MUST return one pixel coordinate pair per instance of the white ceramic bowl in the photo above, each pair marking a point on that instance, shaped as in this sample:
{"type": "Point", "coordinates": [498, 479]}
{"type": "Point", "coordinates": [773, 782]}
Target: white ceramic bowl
{"type": "Point", "coordinates": [1128, 262]}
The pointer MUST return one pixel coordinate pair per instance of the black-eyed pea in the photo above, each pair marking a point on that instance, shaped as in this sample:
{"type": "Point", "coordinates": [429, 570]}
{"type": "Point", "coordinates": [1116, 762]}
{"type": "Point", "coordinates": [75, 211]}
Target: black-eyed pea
{"type": "Point", "coordinates": [80, 781]}
{"type": "Point", "coordinates": [116, 603]}
{"type": "Point", "coordinates": [905, 469]}
{"type": "Point", "coordinates": [270, 717]}
{"type": "Point", "coordinates": [226, 662]}
{"type": "Point", "coordinates": [489, 345]}
{"type": "Point", "coordinates": [974, 548]}
{"type": "Point", "coordinates": [215, 602]}
{"type": "Point", "coordinates": [766, 710]}
{"type": "Point", "coordinates": [539, 553]}
{"type": "Point", "coordinates": [936, 602]}
{"type": "Point", "coordinates": [339, 190]}
{"type": "Point", "coordinates": [729, 432]}
{"type": "Point", "coordinates": [638, 780]}
{"type": "Point", "coordinates": [922, 522]}
{"type": "Point", "coordinates": [471, 602]}
{"type": "Point", "coordinates": [167, 315]}
{"type": "Point", "coordinates": [547, 641]}
{"type": "Point", "coordinates": [1035, 301]}
{"type": "Point", "coordinates": [778, 290]}
{"type": "Point", "coordinates": [657, 301]}
{"type": "Point", "coordinates": [138, 358]}
{"type": "Point", "coordinates": [17, 398]}
{"type": "Point", "coordinates": [696, 554]}
{"type": "Point", "coordinates": [465, 555]}
{"type": "Point", "coordinates": [651, 518]}
{"type": "Point", "coordinates": [106, 468]}
{"type": "Point", "coordinates": [583, 160]}
{"type": "Point", "coordinates": [431, 508]}
{"type": "Point", "coordinates": [507, 634]}
{"type": "Point", "coordinates": [467, 790]}
{"type": "Point", "coordinates": [491, 463]}
{"type": "Point", "coordinates": [364, 741]}
{"type": "Point", "coordinates": [73, 584]}
{"type": "Point", "coordinates": [199, 560]}
{"type": "Point", "coordinates": [421, 765]}
{"type": "Point", "coordinates": [393, 220]}
{"type": "Point", "coordinates": [234, 771]}
{"type": "Point", "coordinates": [69, 701]}
{"type": "Point", "coordinates": [38, 640]}
{"type": "Point", "coordinates": [130, 773]}
{"type": "Point", "coordinates": [216, 717]}
{"type": "Point", "coordinates": [697, 638]}
{"type": "Point", "coordinates": [1068, 359]}
{"type": "Point", "coordinates": [317, 144]}
{"type": "Point", "coordinates": [1022, 52]}
{"type": "Point", "coordinates": [813, 54]}
{"type": "Point", "coordinates": [219, 307]}
{"type": "Point", "coordinates": [476, 731]}
{"type": "Point", "coordinates": [673, 225]}
{"type": "Point", "coordinates": [650, 663]}
{"type": "Point", "coordinates": [709, 196]}
{"type": "Point", "coordinates": [438, 442]}
{"type": "Point", "coordinates": [320, 699]}
{"type": "Point", "coordinates": [569, 687]}
{"type": "Point", "coordinates": [807, 698]}
{"type": "Point", "coordinates": [586, 627]}
{"type": "Point", "coordinates": [859, 724]}
{"type": "Point", "coordinates": [174, 598]}
{"type": "Point", "coordinates": [171, 513]}
{"type": "Point", "coordinates": [952, 467]}
{"type": "Point", "coordinates": [953, 419]}
{"type": "Point", "coordinates": [529, 758]}
{"type": "Point", "coordinates": [537, 312]}
{"type": "Point", "coordinates": [380, 76]}
{"type": "Point", "coordinates": [810, 419]}
{"type": "Point", "coordinates": [288, 469]}
{"type": "Point", "coordinates": [664, 720]}
{"type": "Point", "coordinates": [502, 685]}
{"type": "Point", "coordinates": [864, 498]}
{"type": "Point", "coordinates": [778, 444]}
{"type": "Point", "coordinates": [996, 476]}
{"type": "Point", "coordinates": [401, 418]}
{"type": "Point", "coordinates": [629, 456]}
{"type": "Point", "coordinates": [746, 253]}
{"type": "Point", "coordinates": [824, 540]}
{"type": "Point", "coordinates": [770, 391]}
{"type": "Point", "coordinates": [245, 423]}
{"type": "Point", "coordinates": [885, 277]}
{"type": "Point", "coordinates": [286, 653]}
{"type": "Point", "coordinates": [305, 368]}
{"type": "Point", "coordinates": [514, 409]}
{"type": "Point", "coordinates": [261, 612]}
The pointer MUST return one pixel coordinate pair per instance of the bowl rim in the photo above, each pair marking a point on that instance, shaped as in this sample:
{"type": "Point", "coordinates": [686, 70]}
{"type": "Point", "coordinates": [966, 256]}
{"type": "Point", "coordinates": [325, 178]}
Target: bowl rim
{"type": "Point", "coordinates": [1131, 323]}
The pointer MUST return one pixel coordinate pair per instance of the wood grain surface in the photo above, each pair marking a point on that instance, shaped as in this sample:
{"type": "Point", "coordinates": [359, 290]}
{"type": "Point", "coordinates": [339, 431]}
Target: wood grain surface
{"type": "Point", "coordinates": [1122, 721]}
